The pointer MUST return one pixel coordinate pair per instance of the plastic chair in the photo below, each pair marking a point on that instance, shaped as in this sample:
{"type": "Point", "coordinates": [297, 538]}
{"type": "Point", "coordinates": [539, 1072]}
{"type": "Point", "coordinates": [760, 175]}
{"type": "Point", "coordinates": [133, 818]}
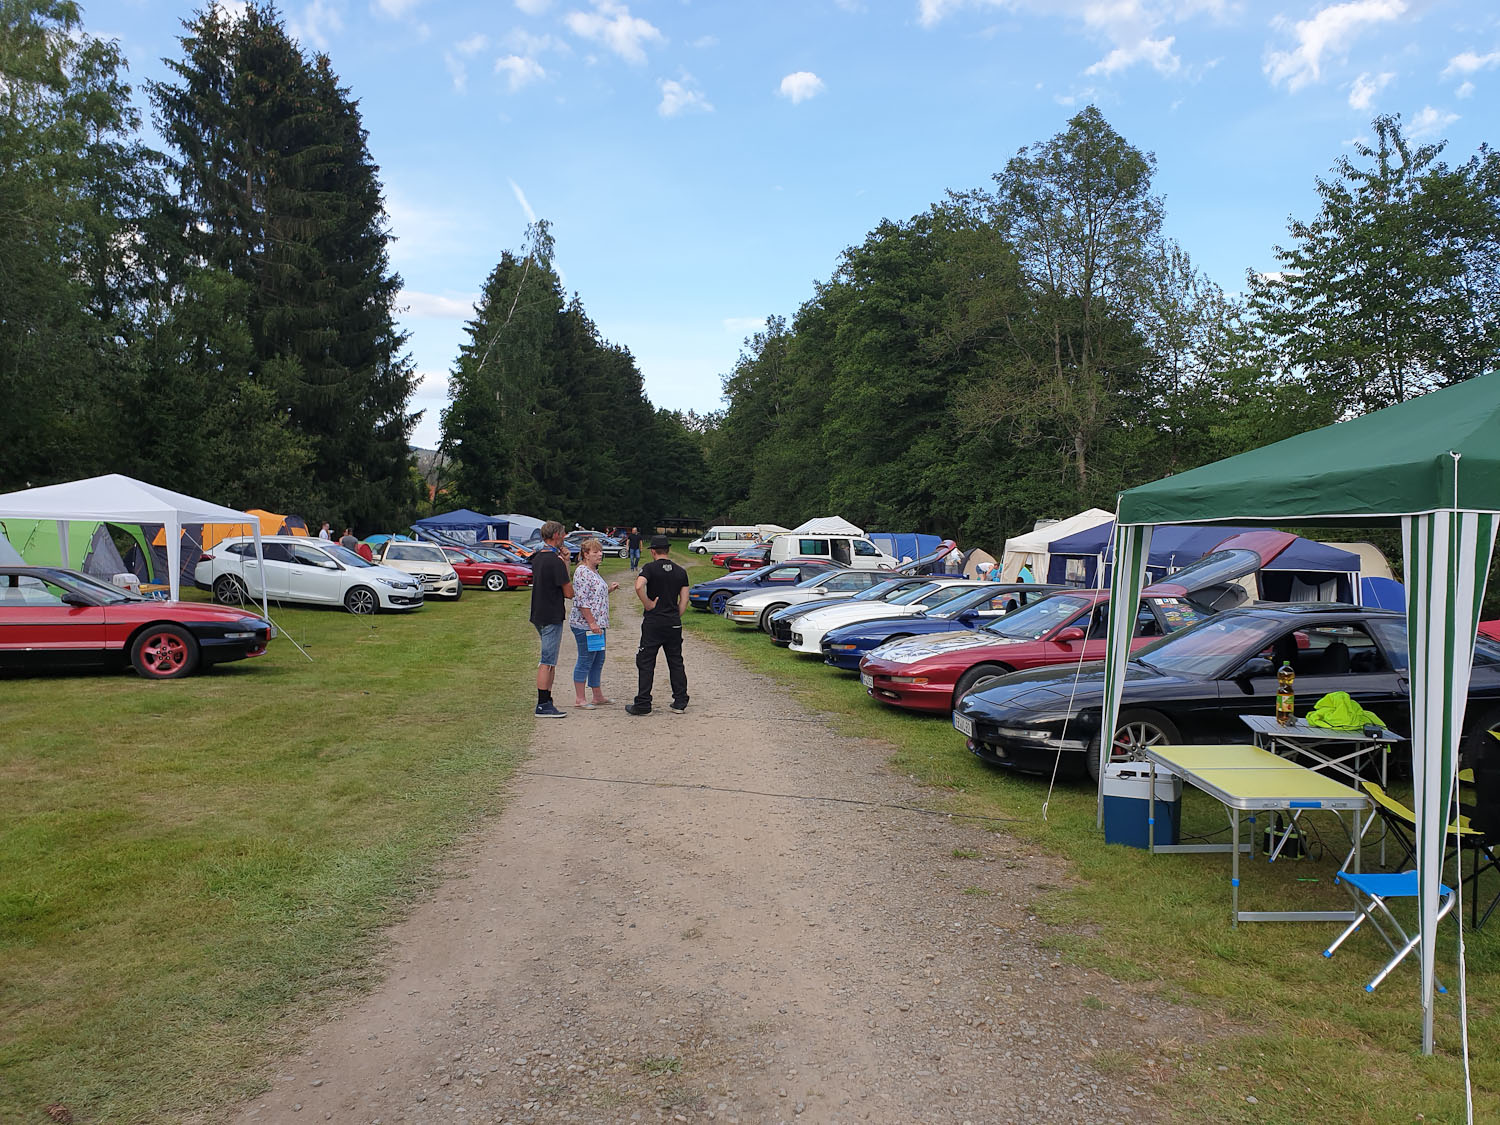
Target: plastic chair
{"type": "Point", "coordinates": [1370, 891]}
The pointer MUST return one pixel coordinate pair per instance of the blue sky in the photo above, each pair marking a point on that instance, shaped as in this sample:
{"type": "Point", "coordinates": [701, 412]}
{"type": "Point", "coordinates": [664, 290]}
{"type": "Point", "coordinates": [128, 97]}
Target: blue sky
{"type": "Point", "coordinates": [704, 162]}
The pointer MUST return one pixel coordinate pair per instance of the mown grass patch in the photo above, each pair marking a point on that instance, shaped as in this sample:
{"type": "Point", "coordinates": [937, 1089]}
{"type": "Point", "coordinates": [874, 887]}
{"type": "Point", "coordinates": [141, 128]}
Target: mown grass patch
{"type": "Point", "coordinates": [1306, 1041]}
{"type": "Point", "coordinates": [191, 869]}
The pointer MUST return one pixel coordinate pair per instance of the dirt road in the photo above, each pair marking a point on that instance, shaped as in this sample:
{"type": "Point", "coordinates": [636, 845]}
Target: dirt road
{"type": "Point", "coordinates": [730, 916]}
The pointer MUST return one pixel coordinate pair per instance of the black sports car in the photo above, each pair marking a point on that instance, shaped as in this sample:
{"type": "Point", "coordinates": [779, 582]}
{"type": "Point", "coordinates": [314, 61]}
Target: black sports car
{"type": "Point", "coordinates": [1193, 686]}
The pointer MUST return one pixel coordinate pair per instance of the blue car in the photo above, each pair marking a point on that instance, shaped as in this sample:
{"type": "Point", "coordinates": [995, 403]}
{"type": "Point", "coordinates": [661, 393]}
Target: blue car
{"type": "Point", "coordinates": [713, 594]}
{"type": "Point", "coordinates": [844, 646]}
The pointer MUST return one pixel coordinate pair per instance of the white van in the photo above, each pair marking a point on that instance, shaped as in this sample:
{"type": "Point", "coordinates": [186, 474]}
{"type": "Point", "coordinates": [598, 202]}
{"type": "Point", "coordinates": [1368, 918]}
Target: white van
{"type": "Point", "coordinates": [732, 537]}
{"type": "Point", "coordinates": [853, 551]}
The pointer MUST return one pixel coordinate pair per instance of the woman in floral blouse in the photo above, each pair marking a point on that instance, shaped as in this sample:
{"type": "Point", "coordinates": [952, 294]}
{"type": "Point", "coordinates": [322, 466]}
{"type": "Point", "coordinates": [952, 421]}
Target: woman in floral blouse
{"type": "Point", "coordinates": [590, 616]}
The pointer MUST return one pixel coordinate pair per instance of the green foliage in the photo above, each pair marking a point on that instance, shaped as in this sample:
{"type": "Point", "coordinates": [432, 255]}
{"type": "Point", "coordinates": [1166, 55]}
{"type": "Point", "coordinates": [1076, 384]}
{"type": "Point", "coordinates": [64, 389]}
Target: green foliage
{"type": "Point", "coordinates": [1393, 289]}
{"type": "Point", "coordinates": [547, 417]}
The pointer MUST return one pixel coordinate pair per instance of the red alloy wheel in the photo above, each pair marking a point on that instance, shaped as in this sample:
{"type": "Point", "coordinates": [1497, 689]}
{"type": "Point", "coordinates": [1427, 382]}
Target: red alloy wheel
{"type": "Point", "coordinates": [164, 652]}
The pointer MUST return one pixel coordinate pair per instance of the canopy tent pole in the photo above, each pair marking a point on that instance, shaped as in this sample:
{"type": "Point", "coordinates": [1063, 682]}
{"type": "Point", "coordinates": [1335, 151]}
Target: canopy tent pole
{"type": "Point", "coordinates": [63, 527]}
{"type": "Point", "coordinates": [1132, 548]}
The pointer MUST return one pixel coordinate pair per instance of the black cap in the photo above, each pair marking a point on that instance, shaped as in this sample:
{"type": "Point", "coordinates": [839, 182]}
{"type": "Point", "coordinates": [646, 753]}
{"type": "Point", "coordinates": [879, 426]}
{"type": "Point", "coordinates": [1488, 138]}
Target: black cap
{"type": "Point", "coordinates": [660, 543]}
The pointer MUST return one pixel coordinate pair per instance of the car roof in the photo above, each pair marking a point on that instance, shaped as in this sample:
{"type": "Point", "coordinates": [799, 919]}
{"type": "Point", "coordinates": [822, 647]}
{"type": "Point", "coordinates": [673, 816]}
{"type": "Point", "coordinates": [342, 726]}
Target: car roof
{"type": "Point", "coordinates": [1303, 611]}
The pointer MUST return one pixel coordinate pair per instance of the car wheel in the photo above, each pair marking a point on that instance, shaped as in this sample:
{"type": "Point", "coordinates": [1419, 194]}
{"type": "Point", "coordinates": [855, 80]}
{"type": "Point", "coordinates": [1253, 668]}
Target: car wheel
{"type": "Point", "coordinates": [718, 601]}
{"type": "Point", "coordinates": [975, 679]}
{"type": "Point", "coordinates": [701, 550]}
{"type": "Point", "coordinates": [765, 618]}
{"type": "Point", "coordinates": [164, 652]}
{"type": "Point", "coordinates": [361, 600]}
{"type": "Point", "coordinates": [494, 580]}
{"type": "Point", "coordinates": [1134, 731]}
{"type": "Point", "coordinates": [229, 590]}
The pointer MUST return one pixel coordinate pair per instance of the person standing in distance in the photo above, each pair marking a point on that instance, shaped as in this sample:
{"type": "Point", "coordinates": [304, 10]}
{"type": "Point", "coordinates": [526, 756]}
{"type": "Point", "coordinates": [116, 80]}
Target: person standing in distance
{"type": "Point", "coordinates": [549, 587]}
{"type": "Point", "coordinates": [662, 587]}
{"type": "Point", "coordinates": [325, 533]}
{"type": "Point", "coordinates": [633, 544]}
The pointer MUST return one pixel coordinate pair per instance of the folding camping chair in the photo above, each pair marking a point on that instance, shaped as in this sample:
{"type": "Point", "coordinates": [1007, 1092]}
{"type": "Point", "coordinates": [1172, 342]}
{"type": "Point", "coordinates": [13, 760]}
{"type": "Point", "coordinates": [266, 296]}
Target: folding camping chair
{"type": "Point", "coordinates": [1370, 891]}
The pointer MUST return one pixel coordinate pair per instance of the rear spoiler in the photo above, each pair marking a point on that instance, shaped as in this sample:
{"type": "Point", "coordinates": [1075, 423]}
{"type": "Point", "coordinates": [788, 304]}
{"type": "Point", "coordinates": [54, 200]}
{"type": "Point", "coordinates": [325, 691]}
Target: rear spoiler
{"type": "Point", "coordinates": [928, 564]}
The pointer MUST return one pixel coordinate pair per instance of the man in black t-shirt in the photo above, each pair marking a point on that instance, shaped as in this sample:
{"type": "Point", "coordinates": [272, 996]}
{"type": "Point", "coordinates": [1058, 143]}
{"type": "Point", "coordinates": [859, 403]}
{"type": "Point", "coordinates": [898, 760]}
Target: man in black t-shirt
{"type": "Point", "coordinates": [550, 585]}
{"type": "Point", "coordinates": [633, 545]}
{"type": "Point", "coordinates": [662, 587]}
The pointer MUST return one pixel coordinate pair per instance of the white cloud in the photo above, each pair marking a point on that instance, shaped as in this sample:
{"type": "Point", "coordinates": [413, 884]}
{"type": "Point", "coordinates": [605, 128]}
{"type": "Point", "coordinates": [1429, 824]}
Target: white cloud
{"type": "Point", "coordinates": [533, 7]}
{"type": "Point", "coordinates": [1157, 52]}
{"type": "Point", "coordinates": [395, 9]}
{"type": "Point", "coordinates": [800, 86]}
{"type": "Point", "coordinates": [523, 201]}
{"type": "Point", "coordinates": [1364, 88]}
{"type": "Point", "coordinates": [1464, 91]}
{"type": "Point", "coordinates": [679, 97]}
{"type": "Point", "coordinates": [472, 45]}
{"type": "Point", "coordinates": [438, 306]}
{"type": "Point", "coordinates": [705, 41]}
{"type": "Point", "coordinates": [456, 71]}
{"type": "Point", "coordinates": [611, 24]}
{"type": "Point", "coordinates": [319, 20]}
{"type": "Point", "coordinates": [1329, 32]}
{"type": "Point", "coordinates": [1469, 62]}
{"type": "Point", "coordinates": [519, 71]}
{"type": "Point", "coordinates": [1430, 121]}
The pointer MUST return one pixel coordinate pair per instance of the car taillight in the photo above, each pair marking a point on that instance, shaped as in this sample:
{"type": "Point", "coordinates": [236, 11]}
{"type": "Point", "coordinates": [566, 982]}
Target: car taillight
{"type": "Point", "coordinates": [205, 557]}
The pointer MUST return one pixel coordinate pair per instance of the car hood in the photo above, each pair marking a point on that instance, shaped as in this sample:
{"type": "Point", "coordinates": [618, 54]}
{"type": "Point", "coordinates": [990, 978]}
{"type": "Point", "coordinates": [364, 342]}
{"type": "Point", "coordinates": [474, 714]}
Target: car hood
{"type": "Point", "coordinates": [919, 623]}
{"type": "Point", "coordinates": [919, 648]}
{"type": "Point", "coordinates": [827, 617]}
{"type": "Point", "coordinates": [195, 611]}
{"type": "Point", "coordinates": [1057, 687]}
{"type": "Point", "coordinates": [760, 596]}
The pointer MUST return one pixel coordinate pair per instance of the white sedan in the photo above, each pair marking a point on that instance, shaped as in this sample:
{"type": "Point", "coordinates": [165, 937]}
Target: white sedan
{"type": "Point", "coordinates": [297, 569]}
{"type": "Point", "coordinates": [808, 630]}
{"type": "Point", "coordinates": [754, 607]}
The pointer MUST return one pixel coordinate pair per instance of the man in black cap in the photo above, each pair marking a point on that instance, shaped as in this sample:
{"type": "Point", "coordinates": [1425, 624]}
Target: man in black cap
{"type": "Point", "coordinates": [662, 587]}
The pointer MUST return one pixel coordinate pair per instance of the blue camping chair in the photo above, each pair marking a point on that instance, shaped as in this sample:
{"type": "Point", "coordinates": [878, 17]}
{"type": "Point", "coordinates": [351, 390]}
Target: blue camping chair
{"type": "Point", "coordinates": [1370, 891]}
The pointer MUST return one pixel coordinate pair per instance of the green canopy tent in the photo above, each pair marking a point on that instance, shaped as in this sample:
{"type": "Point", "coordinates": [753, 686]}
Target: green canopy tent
{"type": "Point", "coordinates": [1430, 466]}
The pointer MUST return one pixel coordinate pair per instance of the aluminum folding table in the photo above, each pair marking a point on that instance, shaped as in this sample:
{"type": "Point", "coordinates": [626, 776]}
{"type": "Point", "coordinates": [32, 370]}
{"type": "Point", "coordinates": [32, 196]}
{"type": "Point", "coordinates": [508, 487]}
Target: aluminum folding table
{"type": "Point", "coordinates": [1251, 779]}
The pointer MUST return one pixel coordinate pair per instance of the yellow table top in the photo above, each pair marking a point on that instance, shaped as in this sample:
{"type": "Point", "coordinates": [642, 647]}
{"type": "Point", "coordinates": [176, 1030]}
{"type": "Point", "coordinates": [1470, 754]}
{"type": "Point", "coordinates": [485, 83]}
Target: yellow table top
{"type": "Point", "coordinates": [1220, 757]}
{"type": "Point", "coordinates": [1248, 777]}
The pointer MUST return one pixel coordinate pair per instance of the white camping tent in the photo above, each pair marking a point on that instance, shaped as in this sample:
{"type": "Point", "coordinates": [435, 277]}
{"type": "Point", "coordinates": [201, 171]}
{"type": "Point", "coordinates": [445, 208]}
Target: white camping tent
{"type": "Point", "coordinates": [827, 525]}
{"type": "Point", "coordinates": [1033, 545]}
{"type": "Point", "coordinates": [118, 499]}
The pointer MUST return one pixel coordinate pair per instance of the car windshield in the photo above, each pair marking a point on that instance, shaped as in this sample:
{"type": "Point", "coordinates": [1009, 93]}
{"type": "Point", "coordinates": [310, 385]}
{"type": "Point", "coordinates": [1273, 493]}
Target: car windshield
{"type": "Point", "coordinates": [916, 593]}
{"type": "Point", "coordinates": [941, 596]}
{"type": "Point", "coordinates": [105, 593]}
{"type": "Point", "coordinates": [878, 592]}
{"type": "Point", "coordinates": [344, 555]}
{"type": "Point", "coordinates": [973, 599]}
{"type": "Point", "coordinates": [1211, 647]}
{"type": "Point", "coordinates": [814, 579]}
{"type": "Point", "coordinates": [414, 552]}
{"type": "Point", "coordinates": [1036, 621]}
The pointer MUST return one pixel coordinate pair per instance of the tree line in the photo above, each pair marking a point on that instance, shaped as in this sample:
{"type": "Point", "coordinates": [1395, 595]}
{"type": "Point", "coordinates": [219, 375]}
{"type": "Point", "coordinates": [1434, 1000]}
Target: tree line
{"type": "Point", "coordinates": [1032, 348]}
{"type": "Point", "coordinates": [220, 318]}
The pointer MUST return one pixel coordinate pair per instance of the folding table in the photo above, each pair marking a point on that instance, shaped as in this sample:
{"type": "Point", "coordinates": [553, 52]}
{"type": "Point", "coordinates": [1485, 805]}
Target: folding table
{"type": "Point", "coordinates": [1251, 779]}
{"type": "Point", "coordinates": [1338, 751]}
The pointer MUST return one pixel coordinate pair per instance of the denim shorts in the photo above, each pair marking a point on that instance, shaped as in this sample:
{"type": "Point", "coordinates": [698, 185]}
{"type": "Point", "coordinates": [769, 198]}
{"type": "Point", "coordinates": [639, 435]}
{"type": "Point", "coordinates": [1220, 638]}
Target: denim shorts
{"type": "Point", "coordinates": [551, 641]}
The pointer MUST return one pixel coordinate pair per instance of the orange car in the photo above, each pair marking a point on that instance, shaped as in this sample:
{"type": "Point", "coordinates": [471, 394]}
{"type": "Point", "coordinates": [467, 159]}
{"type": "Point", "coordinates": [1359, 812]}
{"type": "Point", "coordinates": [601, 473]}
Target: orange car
{"type": "Point", "coordinates": [508, 544]}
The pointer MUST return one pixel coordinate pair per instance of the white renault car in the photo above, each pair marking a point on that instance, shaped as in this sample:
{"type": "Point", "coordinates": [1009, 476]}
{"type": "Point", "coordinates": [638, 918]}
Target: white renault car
{"type": "Point", "coordinates": [754, 607]}
{"type": "Point", "coordinates": [293, 568]}
{"type": "Point", "coordinates": [808, 629]}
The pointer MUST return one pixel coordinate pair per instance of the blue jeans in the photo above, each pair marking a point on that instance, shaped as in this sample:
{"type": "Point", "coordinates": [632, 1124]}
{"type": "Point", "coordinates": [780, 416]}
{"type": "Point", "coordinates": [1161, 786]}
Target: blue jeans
{"type": "Point", "coordinates": [635, 558]}
{"type": "Point", "coordinates": [590, 665]}
{"type": "Point", "coordinates": [551, 641]}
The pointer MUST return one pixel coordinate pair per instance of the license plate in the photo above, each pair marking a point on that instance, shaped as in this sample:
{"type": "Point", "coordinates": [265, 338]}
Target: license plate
{"type": "Point", "coordinates": [963, 724]}
{"type": "Point", "coordinates": [866, 679]}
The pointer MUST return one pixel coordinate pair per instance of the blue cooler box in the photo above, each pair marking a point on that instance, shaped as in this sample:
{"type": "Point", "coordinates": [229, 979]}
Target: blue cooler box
{"type": "Point", "coordinates": [1127, 804]}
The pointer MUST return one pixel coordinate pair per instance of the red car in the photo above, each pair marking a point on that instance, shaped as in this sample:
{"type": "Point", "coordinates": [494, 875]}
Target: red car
{"type": "Point", "coordinates": [745, 560]}
{"type": "Point", "coordinates": [932, 673]}
{"type": "Point", "coordinates": [478, 567]}
{"type": "Point", "coordinates": [51, 617]}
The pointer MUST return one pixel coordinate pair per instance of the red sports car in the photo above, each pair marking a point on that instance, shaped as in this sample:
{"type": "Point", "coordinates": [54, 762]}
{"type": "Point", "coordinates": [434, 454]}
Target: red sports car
{"type": "Point", "coordinates": [478, 567]}
{"type": "Point", "coordinates": [745, 560]}
{"type": "Point", "coordinates": [51, 617]}
{"type": "Point", "coordinates": [932, 673]}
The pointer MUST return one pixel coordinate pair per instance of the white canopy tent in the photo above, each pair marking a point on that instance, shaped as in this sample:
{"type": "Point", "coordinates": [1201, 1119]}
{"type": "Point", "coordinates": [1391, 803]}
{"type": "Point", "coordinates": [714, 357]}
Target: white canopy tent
{"type": "Point", "coordinates": [119, 499]}
{"type": "Point", "coordinates": [1032, 547]}
{"type": "Point", "coordinates": [827, 525]}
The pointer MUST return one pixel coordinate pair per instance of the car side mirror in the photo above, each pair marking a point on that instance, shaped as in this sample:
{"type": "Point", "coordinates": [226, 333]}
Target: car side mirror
{"type": "Point", "coordinates": [77, 600]}
{"type": "Point", "coordinates": [1069, 635]}
{"type": "Point", "coordinates": [969, 616]}
{"type": "Point", "coordinates": [1256, 666]}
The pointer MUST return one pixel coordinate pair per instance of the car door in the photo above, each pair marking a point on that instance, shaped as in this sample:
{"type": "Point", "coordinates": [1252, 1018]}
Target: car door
{"type": "Point", "coordinates": [313, 576]}
{"type": "Point", "coordinates": [37, 625]}
{"type": "Point", "coordinates": [271, 572]}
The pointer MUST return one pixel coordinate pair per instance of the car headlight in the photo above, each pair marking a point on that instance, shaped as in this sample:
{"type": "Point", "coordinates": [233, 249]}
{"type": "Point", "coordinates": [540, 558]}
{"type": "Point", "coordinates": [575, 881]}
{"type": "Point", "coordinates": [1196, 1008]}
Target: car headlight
{"type": "Point", "coordinates": [1024, 732]}
{"type": "Point", "coordinates": [395, 583]}
{"type": "Point", "coordinates": [844, 648]}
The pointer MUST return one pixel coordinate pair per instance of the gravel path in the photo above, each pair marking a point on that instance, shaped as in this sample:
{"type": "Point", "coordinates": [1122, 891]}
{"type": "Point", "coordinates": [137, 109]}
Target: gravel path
{"type": "Point", "coordinates": [729, 916]}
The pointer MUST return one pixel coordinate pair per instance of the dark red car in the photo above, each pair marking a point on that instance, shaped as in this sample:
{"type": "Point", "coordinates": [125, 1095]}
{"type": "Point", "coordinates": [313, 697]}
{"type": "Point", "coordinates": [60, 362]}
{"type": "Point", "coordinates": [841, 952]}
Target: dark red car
{"type": "Point", "coordinates": [51, 617]}
{"type": "Point", "coordinates": [745, 560]}
{"type": "Point", "coordinates": [478, 567]}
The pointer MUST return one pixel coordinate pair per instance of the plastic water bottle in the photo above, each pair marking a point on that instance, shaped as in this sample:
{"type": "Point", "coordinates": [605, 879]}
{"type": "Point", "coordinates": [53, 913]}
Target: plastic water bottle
{"type": "Point", "coordinates": [1285, 700]}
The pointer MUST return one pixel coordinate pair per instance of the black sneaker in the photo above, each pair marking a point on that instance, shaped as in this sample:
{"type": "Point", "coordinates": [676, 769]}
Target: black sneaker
{"type": "Point", "coordinates": [676, 710]}
{"type": "Point", "coordinates": [632, 709]}
{"type": "Point", "coordinates": [549, 711]}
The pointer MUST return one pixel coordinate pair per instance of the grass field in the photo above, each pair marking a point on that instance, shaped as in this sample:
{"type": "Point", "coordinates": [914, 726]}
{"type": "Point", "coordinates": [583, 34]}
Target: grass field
{"type": "Point", "coordinates": [189, 871]}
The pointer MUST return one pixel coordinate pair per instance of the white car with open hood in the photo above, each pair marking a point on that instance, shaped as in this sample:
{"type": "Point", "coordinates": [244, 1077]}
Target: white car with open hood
{"type": "Point", "coordinates": [808, 630]}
